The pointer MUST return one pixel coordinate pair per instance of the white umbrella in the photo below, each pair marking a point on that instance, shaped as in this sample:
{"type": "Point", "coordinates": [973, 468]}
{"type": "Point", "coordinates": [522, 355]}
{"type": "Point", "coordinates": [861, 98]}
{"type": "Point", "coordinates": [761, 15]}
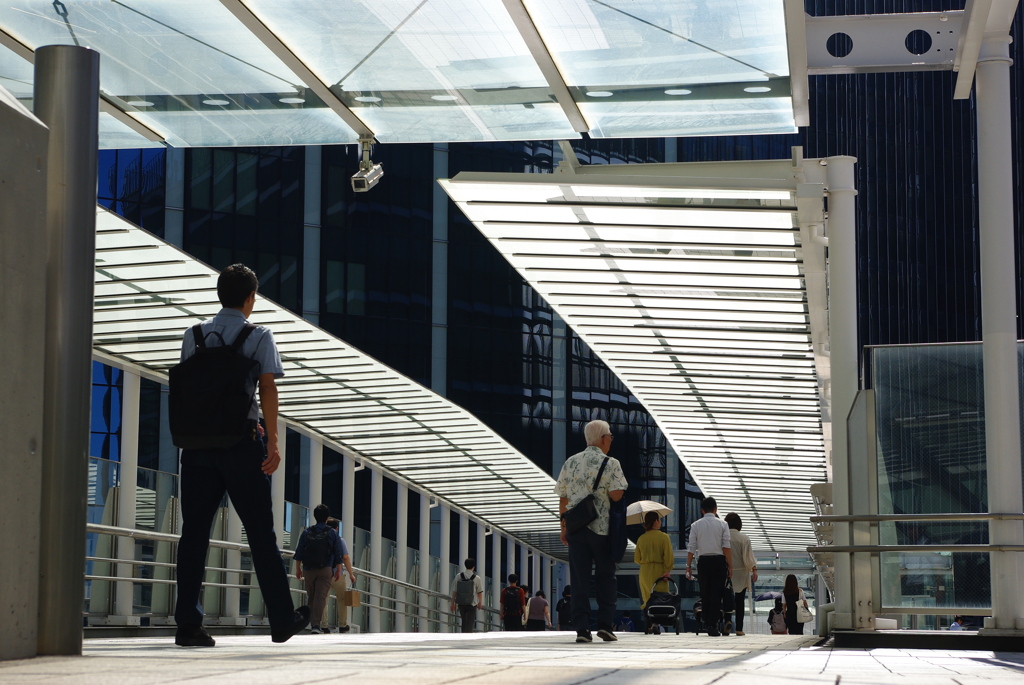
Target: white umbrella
{"type": "Point", "coordinates": [635, 511]}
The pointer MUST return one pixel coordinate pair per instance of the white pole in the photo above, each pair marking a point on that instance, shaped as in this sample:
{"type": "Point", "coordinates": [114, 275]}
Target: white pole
{"type": "Point", "coordinates": [131, 385]}
{"type": "Point", "coordinates": [348, 503]}
{"type": "Point", "coordinates": [546, 581]}
{"type": "Point", "coordinates": [232, 559]}
{"type": "Point", "coordinates": [424, 565]}
{"type": "Point", "coordinates": [999, 327]}
{"type": "Point", "coordinates": [277, 483]}
{"type": "Point", "coordinates": [316, 472]}
{"type": "Point", "coordinates": [463, 539]}
{"type": "Point", "coordinates": [481, 568]}
{"type": "Point", "coordinates": [376, 545]}
{"type": "Point", "coordinates": [402, 555]}
{"type": "Point", "coordinates": [536, 582]}
{"type": "Point", "coordinates": [842, 227]}
{"type": "Point", "coordinates": [496, 579]}
{"type": "Point", "coordinates": [446, 555]}
{"type": "Point", "coordinates": [524, 565]}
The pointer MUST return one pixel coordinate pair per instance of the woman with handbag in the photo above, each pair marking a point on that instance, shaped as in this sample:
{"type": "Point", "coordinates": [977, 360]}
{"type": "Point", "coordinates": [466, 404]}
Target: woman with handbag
{"type": "Point", "coordinates": [656, 557]}
{"type": "Point", "coordinates": [795, 605]}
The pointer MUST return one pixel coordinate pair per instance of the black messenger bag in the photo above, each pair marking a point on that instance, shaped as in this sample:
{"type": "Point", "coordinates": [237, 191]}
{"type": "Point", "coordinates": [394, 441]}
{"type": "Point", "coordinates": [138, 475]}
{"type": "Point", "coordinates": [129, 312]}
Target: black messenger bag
{"type": "Point", "coordinates": [585, 510]}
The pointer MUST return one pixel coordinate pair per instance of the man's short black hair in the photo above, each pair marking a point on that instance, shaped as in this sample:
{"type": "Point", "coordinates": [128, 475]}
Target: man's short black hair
{"type": "Point", "coordinates": [708, 504]}
{"type": "Point", "coordinates": [235, 284]}
{"type": "Point", "coordinates": [470, 564]}
{"type": "Point", "coordinates": [512, 578]}
{"type": "Point", "coordinates": [321, 513]}
{"type": "Point", "coordinates": [333, 523]}
{"type": "Point", "coordinates": [734, 521]}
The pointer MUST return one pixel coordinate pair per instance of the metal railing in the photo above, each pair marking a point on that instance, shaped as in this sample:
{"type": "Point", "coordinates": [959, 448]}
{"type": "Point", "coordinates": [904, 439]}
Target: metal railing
{"type": "Point", "coordinates": [432, 614]}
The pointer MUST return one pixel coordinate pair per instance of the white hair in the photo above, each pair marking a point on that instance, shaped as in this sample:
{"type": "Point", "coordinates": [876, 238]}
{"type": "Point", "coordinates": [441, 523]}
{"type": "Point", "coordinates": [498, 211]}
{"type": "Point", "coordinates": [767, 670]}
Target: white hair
{"type": "Point", "coordinates": [595, 430]}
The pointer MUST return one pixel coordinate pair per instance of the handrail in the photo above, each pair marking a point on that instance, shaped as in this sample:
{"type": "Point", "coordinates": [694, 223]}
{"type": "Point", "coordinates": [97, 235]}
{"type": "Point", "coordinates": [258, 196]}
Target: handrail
{"type": "Point", "coordinates": [915, 548]}
{"type": "Point", "coordinates": [879, 518]}
{"type": "Point", "coordinates": [241, 547]}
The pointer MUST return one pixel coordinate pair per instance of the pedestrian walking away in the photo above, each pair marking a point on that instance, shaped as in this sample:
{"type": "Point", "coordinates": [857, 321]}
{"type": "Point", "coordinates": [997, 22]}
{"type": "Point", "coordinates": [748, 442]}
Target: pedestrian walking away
{"type": "Point", "coordinates": [467, 594]}
{"type": "Point", "coordinates": [744, 566]}
{"type": "Point", "coordinates": [340, 584]}
{"type": "Point", "coordinates": [513, 604]}
{"type": "Point", "coordinates": [318, 560]}
{"type": "Point", "coordinates": [655, 556]}
{"type": "Point", "coordinates": [591, 476]}
{"type": "Point", "coordinates": [564, 609]}
{"type": "Point", "coordinates": [710, 543]}
{"type": "Point", "coordinates": [793, 598]}
{"type": "Point", "coordinates": [214, 419]}
{"type": "Point", "coordinates": [538, 613]}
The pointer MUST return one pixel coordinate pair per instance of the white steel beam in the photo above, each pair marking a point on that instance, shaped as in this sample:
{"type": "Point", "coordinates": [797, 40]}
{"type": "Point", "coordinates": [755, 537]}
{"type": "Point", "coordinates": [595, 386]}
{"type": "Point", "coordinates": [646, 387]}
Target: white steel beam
{"type": "Point", "coordinates": [796, 42]}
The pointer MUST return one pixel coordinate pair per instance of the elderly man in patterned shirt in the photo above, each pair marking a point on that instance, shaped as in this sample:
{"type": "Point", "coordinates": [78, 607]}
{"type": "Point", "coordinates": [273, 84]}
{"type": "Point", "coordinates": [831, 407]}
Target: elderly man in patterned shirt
{"type": "Point", "coordinates": [590, 555]}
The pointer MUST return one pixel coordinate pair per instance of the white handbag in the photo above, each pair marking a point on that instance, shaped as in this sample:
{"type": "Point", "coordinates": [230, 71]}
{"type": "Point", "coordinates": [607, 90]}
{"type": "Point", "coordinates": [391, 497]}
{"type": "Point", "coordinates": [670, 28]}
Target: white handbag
{"type": "Point", "coordinates": [803, 614]}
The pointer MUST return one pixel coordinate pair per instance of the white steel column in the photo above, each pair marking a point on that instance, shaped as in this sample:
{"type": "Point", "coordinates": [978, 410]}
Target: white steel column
{"type": "Point", "coordinates": [546, 582]}
{"type": "Point", "coordinates": [424, 565]}
{"type": "Point", "coordinates": [348, 502]}
{"type": "Point", "coordinates": [277, 483]}
{"type": "Point", "coordinates": [510, 551]}
{"type": "Point", "coordinates": [376, 545]}
{"type": "Point", "coordinates": [402, 556]}
{"type": "Point", "coordinates": [536, 582]}
{"type": "Point", "coordinates": [131, 384]}
{"type": "Point", "coordinates": [481, 569]}
{"type": "Point", "coordinates": [463, 539]}
{"type": "Point", "coordinates": [316, 474]}
{"type": "Point", "coordinates": [496, 580]}
{"type": "Point", "coordinates": [842, 227]}
{"type": "Point", "coordinates": [999, 326]}
{"type": "Point", "coordinates": [445, 529]}
{"type": "Point", "coordinates": [524, 565]}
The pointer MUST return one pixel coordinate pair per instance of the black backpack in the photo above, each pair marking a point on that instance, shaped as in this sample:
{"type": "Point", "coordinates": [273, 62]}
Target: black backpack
{"type": "Point", "coordinates": [318, 551]}
{"type": "Point", "coordinates": [465, 589]}
{"type": "Point", "coordinates": [513, 607]}
{"type": "Point", "coordinates": [211, 393]}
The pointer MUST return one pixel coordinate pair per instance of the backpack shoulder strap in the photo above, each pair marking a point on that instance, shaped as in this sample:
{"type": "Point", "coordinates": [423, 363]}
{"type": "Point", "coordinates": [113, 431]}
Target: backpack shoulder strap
{"type": "Point", "coordinates": [197, 335]}
{"type": "Point", "coordinates": [242, 335]}
{"type": "Point", "coordinates": [600, 472]}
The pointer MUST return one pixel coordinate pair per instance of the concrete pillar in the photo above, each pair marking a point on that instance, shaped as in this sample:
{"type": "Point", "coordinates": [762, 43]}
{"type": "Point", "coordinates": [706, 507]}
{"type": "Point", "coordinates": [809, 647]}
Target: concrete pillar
{"type": "Point", "coordinates": [424, 565]}
{"type": "Point", "coordinates": [316, 473]}
{"type": "Point", "coordinates": [376, 545]}
{"type": "Point", "coordinates": [402, 621]}
{"type": "Point", "coordinates": [124, 599]}
{"type": "Point", "coordinates": [844, 358]}
{"type": "Point", "coordinates": [23, 281]}
{"type": "Point", "coordinates": [446, 555]}
{"type": "Point", "coordinates": [999, 327]}
{"type": "Point", "coordinates": [66, 99]}
{"type": "Point", "coordinates": [277, 482]}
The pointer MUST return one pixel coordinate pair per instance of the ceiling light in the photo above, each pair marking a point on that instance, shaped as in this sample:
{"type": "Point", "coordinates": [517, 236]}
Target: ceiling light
{"type": "Point", "coordinates": [215, 103]}
{"type": "Point", "coordinates": [678, 91]}
{"type": "Point", "coordinates": [444, 98]}
{"type": "Point", "coordinates": [757, 89]}
{"type": "Point", "coordinates": [599, 93]}
{"type": "Point", "coordinates": [292, 101]}
{"type": "Point", "coordinates": [369, 98]}
{"type": "Point", "coordinates": [139, 103]}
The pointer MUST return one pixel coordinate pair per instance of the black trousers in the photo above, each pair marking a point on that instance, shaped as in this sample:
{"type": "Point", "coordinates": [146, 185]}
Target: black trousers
{"type": "Point", "coordinates": [711, 572]}
{"type": "Point", "coordinates": [467, 612]}
{"type": "Point", "coordinates": [205, 476]}
{"type": "Point", "coordinates": [741, 600]}
{"type": "Point", "coordinates": [590, 560]}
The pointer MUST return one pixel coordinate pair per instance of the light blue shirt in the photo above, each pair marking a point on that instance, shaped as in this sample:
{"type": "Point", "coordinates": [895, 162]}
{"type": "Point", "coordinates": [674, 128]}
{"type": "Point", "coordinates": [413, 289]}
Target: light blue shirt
{"type": "Point", "coordinates": [259, 346]}
{"type": "Point", "coordinates": [709, 536]}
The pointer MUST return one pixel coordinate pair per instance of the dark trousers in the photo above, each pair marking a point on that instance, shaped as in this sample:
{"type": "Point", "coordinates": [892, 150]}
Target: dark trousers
{"type": "Point", "coordinates": [467, 612]}
{"type": "Point", "coordinates": [741, 598]}
{"type": "Point", "coordinates": [513, 622]}
{"type": "Point", "coordinates": [205, 476]}
{"type": "Point", "coordinates": [590, 561]}
{"type": "Point", "coordinates": [711, 571]}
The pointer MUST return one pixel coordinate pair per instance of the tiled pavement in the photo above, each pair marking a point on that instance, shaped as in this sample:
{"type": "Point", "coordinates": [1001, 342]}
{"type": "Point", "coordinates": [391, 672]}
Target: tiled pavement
{"type": "Point", "coordinates": [511, 658]}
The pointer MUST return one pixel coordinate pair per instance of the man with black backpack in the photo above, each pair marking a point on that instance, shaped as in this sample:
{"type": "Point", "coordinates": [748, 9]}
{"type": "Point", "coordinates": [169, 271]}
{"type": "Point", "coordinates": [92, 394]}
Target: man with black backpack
{"type": "Point", "coordinates": [318, 559]}
{"type": "Point", "coordinates": [467, 595]}
{"type": "Point", "coordinates": [214, 419]}
{"type": "Point", "coordinates": [513, 604]}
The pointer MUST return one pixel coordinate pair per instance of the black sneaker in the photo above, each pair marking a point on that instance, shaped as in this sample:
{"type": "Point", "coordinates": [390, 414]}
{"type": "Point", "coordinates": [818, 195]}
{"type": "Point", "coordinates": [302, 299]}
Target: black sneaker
{"type": "Point", "coordinates": [607, 635]}
{"type": "Point", "coordinates": [584, 637]}
{"type": "Point", "coordinates": [193, 636]}
{"type": "Point", "coordinates": [299, 621]}
{"type": "Point", "coordinates": [344, 629]}
{"type": "Point", "coordinates": [728, 628]}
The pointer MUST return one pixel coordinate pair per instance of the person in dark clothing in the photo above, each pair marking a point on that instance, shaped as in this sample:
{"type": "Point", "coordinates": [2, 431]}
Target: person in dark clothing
{"type": "Point", "coordinates": [564, 609]}
{"type": "Point", "coordinates": [318, 559]}
{"type": "Point", "coordinates": [710, 543]}
{"type": "Point", "coordinates": [791, 596]}
{"type": "Point", "coordinates": [513, 604]}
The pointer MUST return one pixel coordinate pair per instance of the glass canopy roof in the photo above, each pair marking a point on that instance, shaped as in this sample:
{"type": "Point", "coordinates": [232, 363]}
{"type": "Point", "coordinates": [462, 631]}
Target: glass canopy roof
{"type": "Point", "coordinates": [692, 289]}
{"type": "Point", "coordinates": [280, 72]}
{"type": "Point", "coordinates": [148, 293]}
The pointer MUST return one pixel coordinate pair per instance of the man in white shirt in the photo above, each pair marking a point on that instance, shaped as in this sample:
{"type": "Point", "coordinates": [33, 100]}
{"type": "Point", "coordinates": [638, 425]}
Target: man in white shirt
{"type": "Point", "coordinates": [467, 595]}
{"type": "Point", "coordinates": [710, 542]}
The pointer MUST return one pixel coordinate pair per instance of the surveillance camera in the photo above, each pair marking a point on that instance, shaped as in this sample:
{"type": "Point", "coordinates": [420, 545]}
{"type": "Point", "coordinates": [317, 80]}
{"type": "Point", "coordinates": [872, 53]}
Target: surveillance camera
{"type": "Point", "coordinates": [364, 179]}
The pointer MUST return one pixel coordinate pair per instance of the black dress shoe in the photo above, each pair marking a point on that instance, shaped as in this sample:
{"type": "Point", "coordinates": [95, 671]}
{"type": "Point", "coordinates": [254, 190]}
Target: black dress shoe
{"type": "Point", "coordinates": [193, 636]}
{"type": "Point", "coordinates": [299, 623]}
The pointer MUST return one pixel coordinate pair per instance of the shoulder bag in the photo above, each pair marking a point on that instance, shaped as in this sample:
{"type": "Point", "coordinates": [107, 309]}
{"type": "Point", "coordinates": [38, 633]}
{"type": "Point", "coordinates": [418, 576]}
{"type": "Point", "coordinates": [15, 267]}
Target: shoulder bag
{"type": "Point", "coordinates": [585, 510]}
{"type": "Point", "coordinates": [803, 614]}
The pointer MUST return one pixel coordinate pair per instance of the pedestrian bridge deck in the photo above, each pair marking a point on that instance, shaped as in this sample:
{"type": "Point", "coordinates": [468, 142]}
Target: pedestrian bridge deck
{"type": "Point", "coordinates": [504, 658]}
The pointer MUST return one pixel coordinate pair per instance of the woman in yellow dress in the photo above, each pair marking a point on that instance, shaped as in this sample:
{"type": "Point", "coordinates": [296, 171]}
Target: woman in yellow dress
{"type": "Point", "coordinates": [655, 555]}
